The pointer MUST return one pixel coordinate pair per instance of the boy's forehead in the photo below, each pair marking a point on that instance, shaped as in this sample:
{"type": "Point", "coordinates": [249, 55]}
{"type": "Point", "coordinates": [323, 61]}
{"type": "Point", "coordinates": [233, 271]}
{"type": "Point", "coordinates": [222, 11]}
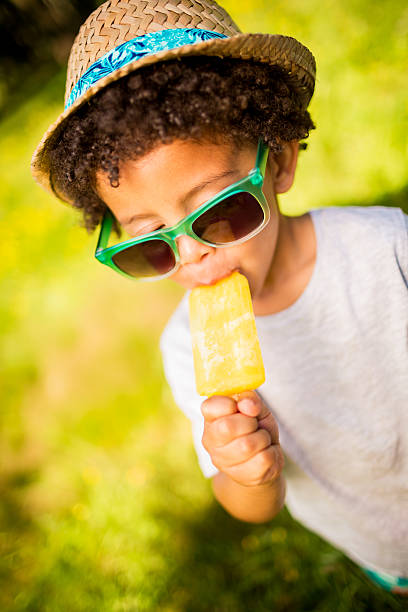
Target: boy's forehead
{"type": "Point", "coordinates": [171, 156]}
{"type": "Point", "coordinates": [176, 167]}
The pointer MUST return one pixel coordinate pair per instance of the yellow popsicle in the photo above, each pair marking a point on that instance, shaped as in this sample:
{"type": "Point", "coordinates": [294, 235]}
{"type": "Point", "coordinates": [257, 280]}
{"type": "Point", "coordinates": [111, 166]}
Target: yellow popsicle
{"type": "Point", "coordinates": [226, 351]}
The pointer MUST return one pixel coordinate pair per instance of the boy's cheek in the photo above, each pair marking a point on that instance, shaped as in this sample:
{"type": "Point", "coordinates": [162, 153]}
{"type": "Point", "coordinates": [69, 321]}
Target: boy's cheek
{"type": "Point", "coordinates": [252, 258]}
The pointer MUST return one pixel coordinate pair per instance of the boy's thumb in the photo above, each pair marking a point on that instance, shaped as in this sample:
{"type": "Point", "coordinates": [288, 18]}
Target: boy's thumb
{"type": "Point", "coordinates": [250, 404]}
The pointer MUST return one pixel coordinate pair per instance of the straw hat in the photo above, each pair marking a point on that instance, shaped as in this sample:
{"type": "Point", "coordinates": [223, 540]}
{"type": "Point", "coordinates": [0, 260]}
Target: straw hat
{"type": "Point", "coordinates": [121, 36]}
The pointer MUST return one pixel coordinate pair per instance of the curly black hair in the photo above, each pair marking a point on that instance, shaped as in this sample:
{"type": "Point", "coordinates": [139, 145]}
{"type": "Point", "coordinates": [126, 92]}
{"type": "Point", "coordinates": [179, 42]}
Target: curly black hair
{"type": "Point", "coordinates": [198, 98]}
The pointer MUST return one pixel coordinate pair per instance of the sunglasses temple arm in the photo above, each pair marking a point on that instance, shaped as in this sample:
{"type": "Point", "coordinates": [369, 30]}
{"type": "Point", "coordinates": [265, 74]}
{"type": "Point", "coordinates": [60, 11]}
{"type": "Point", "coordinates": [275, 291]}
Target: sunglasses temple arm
{"type": "Point", "coordinates": [106, 228]}
{"type": "Point", "coordinates": [262, 156]}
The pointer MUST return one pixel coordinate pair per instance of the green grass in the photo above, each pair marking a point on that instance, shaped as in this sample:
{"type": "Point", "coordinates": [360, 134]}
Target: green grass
{"type": "Point", "coordinates": [103, 506]}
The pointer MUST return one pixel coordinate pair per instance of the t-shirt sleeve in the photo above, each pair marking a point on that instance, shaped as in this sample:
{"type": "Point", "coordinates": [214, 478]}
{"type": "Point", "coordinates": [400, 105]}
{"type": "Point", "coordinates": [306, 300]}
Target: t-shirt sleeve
{"type": "Point", "coordinates": [175, 346]}
{"type": "Point", "coordinates": [402, 244]}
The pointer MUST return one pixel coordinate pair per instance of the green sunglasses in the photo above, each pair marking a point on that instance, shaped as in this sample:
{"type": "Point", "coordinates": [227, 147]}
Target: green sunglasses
{"type": "Point", "coordinates": [234, 215]}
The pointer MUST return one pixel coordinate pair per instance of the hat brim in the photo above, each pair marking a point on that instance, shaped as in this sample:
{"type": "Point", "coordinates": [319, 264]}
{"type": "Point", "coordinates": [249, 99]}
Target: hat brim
{"type": "Point", "coordinates": [274, 49]}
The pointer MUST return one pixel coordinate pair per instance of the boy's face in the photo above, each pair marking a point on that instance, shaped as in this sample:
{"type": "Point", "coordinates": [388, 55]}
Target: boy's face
{"type": "Point", "coordinates": [171, 181]}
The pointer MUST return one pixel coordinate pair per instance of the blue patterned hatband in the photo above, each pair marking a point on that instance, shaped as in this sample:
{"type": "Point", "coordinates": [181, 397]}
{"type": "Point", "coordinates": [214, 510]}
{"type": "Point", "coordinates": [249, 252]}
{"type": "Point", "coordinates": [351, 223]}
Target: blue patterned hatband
{"type": "Point", "coordinates": [135, 49]}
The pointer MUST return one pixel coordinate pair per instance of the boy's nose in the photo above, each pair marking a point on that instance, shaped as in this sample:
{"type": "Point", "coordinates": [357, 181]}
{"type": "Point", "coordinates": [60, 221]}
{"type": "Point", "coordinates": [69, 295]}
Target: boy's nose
{"type": "Point", "coordinates": [190, 250]}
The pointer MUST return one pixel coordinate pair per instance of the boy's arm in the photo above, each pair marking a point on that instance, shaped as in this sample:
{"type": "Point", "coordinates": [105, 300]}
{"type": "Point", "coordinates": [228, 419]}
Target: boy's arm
{"type": "Point", "coordinates": [242, 438]}
{"type": "Point", "coordinates": [256, 504]}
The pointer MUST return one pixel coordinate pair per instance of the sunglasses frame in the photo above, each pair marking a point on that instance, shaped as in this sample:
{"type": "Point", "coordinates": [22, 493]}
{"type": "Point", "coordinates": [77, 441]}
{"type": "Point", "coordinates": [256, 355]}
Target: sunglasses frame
{"type": "Point", "coordinates": [252, 183]}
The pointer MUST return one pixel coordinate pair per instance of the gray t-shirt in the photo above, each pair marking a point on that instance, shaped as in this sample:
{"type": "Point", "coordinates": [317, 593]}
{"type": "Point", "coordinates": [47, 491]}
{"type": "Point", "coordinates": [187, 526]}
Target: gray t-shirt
{"type": "Point", "coordinates": [336, 365]}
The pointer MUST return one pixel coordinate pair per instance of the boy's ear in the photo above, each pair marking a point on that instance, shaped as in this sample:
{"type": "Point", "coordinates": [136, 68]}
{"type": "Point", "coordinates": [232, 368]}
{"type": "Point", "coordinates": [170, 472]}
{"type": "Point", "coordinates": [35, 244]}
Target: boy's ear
{"type": "Point", "coordinates": [283, 166]}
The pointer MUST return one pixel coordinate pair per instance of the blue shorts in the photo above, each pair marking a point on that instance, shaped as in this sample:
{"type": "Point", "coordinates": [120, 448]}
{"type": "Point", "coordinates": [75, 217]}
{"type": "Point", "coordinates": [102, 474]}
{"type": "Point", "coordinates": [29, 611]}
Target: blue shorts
{"type": "Point", "coordinates": [387, 581]}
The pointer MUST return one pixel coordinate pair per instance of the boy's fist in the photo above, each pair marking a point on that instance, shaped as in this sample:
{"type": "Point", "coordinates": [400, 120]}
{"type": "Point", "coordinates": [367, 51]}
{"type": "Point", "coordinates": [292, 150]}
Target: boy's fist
{"type": "Point", "coordinates": [242, 438]}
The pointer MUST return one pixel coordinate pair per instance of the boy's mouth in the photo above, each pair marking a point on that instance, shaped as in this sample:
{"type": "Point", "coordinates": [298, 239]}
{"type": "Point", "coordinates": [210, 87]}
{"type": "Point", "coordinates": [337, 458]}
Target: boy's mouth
{"type": "Point", "coordinates": [214, 278]}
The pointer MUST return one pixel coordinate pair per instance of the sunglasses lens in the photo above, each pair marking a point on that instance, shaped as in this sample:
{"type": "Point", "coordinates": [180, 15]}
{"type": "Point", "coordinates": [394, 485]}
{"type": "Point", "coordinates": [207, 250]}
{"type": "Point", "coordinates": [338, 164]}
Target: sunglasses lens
{"type": "Point", "coordinates": [233, 218]}
{"type": "Point", "coordinates": [150, 258]}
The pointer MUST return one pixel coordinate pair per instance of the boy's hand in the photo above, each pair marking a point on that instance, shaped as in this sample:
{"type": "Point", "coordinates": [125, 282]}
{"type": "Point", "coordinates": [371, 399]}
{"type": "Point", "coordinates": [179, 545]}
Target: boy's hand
{"type": "Point", "coordinates": [242, 438]}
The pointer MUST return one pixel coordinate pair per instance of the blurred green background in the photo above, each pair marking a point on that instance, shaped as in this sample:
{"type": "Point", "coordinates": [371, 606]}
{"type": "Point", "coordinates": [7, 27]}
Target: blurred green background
{"type": "Point", "coordinates": [103, 506]}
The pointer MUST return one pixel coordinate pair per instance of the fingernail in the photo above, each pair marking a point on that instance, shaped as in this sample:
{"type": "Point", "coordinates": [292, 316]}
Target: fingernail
{"type": "Point", "coordinates": [246, 404]}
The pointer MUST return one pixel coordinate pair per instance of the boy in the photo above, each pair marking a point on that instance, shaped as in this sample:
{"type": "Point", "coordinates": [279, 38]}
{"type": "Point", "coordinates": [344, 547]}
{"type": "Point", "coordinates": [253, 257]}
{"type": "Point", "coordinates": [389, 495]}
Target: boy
{"type": "Point", "coordinates": [167, 106]}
